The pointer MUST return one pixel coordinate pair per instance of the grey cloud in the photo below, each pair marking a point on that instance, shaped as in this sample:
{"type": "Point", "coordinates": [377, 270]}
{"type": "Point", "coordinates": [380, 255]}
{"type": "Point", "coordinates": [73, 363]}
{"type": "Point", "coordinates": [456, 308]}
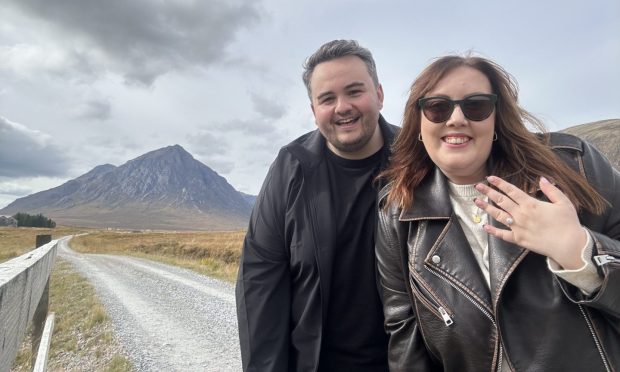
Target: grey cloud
{"type": "Point", "coordinates": [269, 147]}
{"type": "Point", "coordinates": [142, 39]}
{"type": "Point", "coordinates": [25, 152]}
{"type": "Point", "coordinates": [97, 110]}
{"type": "Point", "coordinates": [64, 64]}
{"type": "Point", "coordinates": [14, 190]}
{"type": "Point", "coordinates": [269, 109]}
{"type": "Point", "coordinates": [269, 112]}
{"type": "Point", "coordinates": [206, 144]}
{"type": "Point", "coordinates": [221, 166]}
{"type": "Point", "coordinates": [259, 126]}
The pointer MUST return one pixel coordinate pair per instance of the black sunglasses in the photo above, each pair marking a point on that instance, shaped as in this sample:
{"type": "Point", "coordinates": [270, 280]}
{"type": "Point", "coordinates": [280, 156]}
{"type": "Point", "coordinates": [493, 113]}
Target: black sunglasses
{"type": "Point", "coordinates": [476, 107]}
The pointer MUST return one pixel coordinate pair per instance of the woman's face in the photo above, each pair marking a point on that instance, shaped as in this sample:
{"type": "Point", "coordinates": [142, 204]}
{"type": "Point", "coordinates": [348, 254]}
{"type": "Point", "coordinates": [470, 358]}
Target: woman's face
{"type": "Point", "coordinates": [459, 146]}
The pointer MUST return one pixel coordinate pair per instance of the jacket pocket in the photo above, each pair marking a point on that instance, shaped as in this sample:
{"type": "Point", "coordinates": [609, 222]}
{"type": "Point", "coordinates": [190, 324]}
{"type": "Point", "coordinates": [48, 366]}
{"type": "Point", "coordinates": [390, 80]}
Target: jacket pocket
{"type": "Point", "coordinates": [432, 303]}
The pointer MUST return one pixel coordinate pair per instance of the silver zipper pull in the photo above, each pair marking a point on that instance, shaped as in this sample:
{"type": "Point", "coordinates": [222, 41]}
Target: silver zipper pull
{"type": "Point", "coordinates": [604, 259]}
{"type": "Point", "coordinates": [445, 316]}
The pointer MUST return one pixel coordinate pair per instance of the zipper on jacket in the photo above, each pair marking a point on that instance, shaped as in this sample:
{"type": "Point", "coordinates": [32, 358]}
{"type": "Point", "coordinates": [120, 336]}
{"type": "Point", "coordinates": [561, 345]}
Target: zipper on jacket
{"type": "Point", "coordinates": [435, 305]}
{"type": "Point", "coordinates": [604, 259]}
{"type": "Point", "coordinates": [445, 316]}
{"type": "Point", "coordinates": [500, 360]}
{"type": "Point", "coordinates": [596, 340]}
{"type": "Point", "coordinates": [486, 313]}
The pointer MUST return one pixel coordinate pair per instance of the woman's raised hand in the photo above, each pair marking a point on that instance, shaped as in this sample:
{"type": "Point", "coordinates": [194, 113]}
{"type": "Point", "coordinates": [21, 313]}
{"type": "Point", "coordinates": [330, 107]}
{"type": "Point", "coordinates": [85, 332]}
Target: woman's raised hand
{"type": "Point", "coordinates": [548, 228]}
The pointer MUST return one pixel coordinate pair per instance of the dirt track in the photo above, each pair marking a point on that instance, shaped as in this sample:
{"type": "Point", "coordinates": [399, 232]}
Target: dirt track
{"type": "Point", "coordinates": [167, 318]}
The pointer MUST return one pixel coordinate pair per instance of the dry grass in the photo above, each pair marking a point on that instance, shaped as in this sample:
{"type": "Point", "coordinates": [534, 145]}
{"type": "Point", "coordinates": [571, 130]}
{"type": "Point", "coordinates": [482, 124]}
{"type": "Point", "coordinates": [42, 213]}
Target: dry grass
{"type": "Point", "coordinates": [82, 339]}
{"type": "Point", "coordinates": [15, 241]}
{"type": "Point", "coordinates": [212, 253]}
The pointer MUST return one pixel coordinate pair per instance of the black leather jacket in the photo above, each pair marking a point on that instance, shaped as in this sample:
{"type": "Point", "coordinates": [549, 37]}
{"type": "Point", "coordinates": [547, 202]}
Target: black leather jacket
{"type": "Point", "coordinates": [284, 277]}
{"type": "Point", "coordinates": [441, 315]}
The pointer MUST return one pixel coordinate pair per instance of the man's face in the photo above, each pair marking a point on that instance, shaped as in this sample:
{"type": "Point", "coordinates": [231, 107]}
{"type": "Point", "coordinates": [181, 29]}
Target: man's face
{"type": "Point", "coordinates": [346, 105]}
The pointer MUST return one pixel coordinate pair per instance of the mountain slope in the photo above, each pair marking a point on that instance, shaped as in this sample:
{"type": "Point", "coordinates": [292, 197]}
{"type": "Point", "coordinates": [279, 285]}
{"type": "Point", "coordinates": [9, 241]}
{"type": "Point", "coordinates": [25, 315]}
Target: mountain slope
{"type": "Point", "coordinates": [163, 189]}
{"type": "Point", "coordinates": [604, 135]}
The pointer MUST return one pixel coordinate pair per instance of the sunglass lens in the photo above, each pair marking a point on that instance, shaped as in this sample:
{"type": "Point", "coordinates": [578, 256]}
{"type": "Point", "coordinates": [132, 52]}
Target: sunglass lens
{"type": "Point", "coordinates": [438, 110]}
{"type": "Point", "coordinates": [478, 108]}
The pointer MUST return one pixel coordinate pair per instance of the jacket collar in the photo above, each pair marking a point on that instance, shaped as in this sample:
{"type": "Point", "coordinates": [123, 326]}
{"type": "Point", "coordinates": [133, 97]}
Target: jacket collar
{"type": "Point", "coordinates": [431, 199]}
{"type": "Point", "coordinates": [458, 265]}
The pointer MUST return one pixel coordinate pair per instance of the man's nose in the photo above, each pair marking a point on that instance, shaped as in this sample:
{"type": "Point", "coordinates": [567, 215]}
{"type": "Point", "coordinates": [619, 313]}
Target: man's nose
{"type": "Point", "coordinates": [343, 106]}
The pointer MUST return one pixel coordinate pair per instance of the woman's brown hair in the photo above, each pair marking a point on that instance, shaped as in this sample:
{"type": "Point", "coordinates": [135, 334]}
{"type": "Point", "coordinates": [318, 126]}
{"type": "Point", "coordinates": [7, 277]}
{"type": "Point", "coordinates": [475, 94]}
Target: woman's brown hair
{"type": "Point", "coordinates": [518, 155]}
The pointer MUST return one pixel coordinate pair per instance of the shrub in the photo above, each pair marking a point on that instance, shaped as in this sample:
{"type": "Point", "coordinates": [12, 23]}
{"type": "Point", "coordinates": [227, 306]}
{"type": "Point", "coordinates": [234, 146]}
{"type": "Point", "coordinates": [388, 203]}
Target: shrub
{"type": "Point", "coordinates": [39, 220]}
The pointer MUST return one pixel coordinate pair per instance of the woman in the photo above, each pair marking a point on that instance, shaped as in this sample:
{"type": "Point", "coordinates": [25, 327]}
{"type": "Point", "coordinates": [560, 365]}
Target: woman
{"type": "Point", "coordinates": [498, 249]}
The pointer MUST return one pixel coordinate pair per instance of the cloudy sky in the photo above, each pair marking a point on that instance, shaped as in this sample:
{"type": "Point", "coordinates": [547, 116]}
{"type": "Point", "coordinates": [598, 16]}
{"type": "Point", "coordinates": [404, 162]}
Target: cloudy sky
{"type": "Point", "coordinates": [88, 82]}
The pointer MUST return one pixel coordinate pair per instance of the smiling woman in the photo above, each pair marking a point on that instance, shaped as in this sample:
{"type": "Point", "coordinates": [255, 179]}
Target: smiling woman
{"type": "Point", "coordinates": [494, 241]}
{"type": "Point", "coordinates": [460, 149]}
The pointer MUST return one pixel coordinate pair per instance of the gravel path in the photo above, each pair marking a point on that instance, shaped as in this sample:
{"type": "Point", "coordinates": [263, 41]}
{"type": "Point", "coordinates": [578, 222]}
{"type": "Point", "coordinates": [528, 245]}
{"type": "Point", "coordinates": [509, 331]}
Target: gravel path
{"type": "Point", "coordinates": [167, 318]}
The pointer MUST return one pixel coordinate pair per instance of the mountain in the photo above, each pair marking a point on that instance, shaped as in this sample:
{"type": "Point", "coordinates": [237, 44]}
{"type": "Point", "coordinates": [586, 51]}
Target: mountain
{"type": "Point", "coordinates": [163, 189]}
{"type": "Point", "coordinates": [604, 135]}
{"type": "Point", "coordinates": [251, 199]}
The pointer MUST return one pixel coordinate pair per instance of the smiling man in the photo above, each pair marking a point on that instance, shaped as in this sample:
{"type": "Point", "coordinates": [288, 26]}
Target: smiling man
{"type": "Point", "coordinates": [307, 297]}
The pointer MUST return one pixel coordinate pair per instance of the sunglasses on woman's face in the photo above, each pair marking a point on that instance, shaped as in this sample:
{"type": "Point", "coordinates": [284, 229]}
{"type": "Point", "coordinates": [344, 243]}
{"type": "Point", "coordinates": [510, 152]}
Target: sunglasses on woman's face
{"type": "Point", "coordinates": [476, 107]}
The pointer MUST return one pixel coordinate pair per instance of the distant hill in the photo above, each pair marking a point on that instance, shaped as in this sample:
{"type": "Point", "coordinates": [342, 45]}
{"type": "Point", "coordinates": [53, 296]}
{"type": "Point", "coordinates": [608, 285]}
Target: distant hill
{"type": "Point", "coordinates": [251, 199]}
{"type": "Point", "coordinates": [162, 189]}
{"type": "Point", "coordinates": [604, 135]}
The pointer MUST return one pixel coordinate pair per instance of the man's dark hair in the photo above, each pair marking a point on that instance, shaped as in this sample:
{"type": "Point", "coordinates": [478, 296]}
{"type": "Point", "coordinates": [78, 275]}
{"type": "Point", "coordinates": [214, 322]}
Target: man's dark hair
{"type": "Point", "coordinates": [338, 49]}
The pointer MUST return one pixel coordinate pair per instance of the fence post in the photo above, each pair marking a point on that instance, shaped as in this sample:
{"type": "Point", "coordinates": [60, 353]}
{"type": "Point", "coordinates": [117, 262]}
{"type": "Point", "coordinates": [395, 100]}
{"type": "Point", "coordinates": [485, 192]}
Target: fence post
{"type": "Point", "coordinates": [38, 320]}
{"type": "Point", "coordinates": [43, 239]}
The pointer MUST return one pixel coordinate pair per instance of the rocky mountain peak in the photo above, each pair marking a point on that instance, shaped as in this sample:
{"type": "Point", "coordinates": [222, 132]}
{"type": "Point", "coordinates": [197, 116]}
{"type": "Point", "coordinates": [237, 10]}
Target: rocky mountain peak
{"type": "Point", "coordinates": [167, 179]}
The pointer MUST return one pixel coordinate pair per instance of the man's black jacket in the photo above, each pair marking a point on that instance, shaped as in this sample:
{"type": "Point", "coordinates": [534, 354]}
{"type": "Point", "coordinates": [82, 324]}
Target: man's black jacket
{"type": "Point", "coordinates": [285, 271]}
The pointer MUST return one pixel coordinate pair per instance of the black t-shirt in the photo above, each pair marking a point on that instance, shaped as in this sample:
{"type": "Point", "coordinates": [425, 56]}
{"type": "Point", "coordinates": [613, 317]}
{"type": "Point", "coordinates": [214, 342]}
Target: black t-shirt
{"type": "Point", "coordinates": [354, 338]}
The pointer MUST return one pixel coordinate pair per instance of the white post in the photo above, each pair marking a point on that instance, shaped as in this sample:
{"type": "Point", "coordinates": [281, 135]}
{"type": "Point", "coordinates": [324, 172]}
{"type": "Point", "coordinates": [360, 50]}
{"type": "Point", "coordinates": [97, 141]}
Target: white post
{"type": "Point", "coordinates": [44, 346]}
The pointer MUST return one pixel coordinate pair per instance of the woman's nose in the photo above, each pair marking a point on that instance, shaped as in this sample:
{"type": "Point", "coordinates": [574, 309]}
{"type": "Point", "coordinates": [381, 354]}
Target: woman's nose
{"type": "Point", "coordinates": [457, 118]}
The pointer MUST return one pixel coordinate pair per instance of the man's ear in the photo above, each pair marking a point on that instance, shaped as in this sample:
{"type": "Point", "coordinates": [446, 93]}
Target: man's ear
{"type": "Point", "coordinates": [380, 94]}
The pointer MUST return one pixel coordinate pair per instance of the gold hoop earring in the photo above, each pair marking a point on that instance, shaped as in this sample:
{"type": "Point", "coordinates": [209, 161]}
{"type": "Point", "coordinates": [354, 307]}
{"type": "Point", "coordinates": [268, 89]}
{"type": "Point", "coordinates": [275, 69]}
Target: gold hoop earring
{"type": "Point", "coordinates": [420, 137]}
{"type": "Point", "coordinates": [494, 136]}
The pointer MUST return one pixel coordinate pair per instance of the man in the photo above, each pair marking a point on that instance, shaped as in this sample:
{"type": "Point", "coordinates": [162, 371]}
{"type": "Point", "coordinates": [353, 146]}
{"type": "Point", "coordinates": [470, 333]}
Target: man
{"type": "Point", "coordinates": [307, 297]}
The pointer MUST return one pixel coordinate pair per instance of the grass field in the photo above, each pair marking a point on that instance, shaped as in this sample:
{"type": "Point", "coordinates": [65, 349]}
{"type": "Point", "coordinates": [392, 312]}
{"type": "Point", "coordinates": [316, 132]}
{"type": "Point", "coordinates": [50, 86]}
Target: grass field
{"type": "Point", "coordinates": [15, 241]}
{"type": "Point", "coordinates": [211, 253]}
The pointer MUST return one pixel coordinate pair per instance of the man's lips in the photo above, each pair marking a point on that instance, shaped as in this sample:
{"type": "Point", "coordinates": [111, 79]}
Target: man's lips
{"type": "Point", "coordinates": [346, 121]}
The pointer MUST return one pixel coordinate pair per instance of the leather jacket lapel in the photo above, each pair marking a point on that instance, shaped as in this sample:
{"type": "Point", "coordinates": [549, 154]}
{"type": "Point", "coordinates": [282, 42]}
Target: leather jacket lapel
{"type": "Point", "coordinates": [452, 258]}
{"type": "Point", "coordinates": [503, 259]}
{"type": "Point", "coordinates": [450, 255]}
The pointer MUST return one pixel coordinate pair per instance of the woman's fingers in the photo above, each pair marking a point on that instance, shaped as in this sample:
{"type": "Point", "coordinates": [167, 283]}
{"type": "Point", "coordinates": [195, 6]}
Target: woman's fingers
{"type": "Point", "coordinates": [513, 192]}
{"type": "Point", "coordinates": [548, 228]}
{"type": "Point", "coordinates": [551, 192]}
{"type": "Point", "coordinates": [506, 235]}
{"type": "Point", "coordinates": [497, 213]}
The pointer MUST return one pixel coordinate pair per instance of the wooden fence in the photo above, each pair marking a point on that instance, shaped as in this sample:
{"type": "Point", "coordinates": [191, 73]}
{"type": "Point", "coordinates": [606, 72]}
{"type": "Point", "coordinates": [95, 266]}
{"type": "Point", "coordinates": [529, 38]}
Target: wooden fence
{"type": "Point", "coordinates": [24, 297]}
